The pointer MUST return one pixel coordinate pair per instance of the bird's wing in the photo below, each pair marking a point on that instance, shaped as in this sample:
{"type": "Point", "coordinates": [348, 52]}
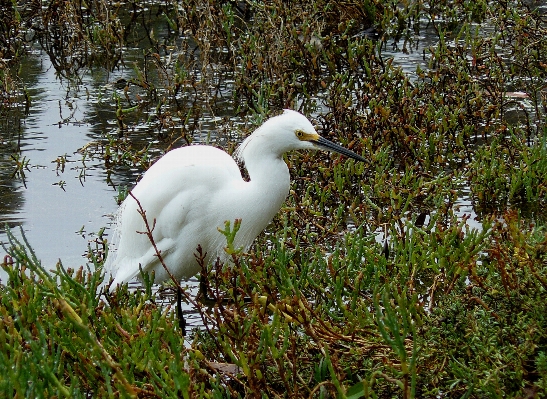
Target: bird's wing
{"type": "Point", "coordinates": [175, 190]}
{"type": "Point", "coordinates": [128, 267]}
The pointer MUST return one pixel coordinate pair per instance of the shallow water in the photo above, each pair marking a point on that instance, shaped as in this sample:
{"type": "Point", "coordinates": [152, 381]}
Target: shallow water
{"type": "Point", "coordinates": [58, 208]}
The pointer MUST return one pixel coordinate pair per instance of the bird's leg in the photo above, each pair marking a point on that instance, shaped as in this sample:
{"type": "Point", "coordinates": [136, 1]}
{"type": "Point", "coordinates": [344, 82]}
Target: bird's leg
{"type": "Point", "coordinates": [203, 291]}
{"type": "Point", "coordinates": [203, 295]}
{"type": "Point", "coordinates": [182, 321]}
{"type": "Point", "coordinates": [210, 301]}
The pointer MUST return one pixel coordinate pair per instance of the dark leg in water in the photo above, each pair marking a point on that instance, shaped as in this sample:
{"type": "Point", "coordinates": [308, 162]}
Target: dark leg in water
{"type": "Point", "coordinates": [182, 322]}
{"type": "Point", "coordinates": [204, 292]}
{"type": "Point", "coordinates": [211, 301]}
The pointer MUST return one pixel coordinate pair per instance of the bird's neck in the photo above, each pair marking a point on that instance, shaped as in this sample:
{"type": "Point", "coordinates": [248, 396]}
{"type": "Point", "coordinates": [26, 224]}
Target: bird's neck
{"type": "Point", "coordinates": [269, 182]}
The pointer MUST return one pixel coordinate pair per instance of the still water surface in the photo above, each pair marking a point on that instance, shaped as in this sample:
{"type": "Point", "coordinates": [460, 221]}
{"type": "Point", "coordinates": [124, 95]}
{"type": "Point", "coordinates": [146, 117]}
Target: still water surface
{"type": "Point", "coordinates": [58, 208]}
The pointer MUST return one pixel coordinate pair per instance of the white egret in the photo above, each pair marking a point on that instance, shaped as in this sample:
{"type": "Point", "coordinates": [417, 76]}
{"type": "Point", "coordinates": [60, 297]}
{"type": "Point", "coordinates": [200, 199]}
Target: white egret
{"type": "Point", "coordinates": [192, 191]}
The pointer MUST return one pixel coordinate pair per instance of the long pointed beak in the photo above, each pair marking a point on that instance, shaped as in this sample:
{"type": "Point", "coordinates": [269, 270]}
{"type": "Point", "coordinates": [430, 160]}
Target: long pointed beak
{"type": "Point", "coordinates": [328, 145]}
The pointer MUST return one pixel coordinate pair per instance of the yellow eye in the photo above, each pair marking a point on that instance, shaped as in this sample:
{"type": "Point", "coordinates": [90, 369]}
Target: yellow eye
{"type": "Point", "coordinates": [300, 134]}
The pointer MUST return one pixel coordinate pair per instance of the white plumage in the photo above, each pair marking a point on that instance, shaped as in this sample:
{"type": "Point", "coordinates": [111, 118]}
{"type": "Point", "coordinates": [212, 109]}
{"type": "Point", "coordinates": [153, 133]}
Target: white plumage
{"type": "Point", "coordinates": [192, 191]}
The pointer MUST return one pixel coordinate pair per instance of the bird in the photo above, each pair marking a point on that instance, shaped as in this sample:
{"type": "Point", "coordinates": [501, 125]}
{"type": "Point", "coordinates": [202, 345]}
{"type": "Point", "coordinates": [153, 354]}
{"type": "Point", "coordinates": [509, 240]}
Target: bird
{"type": "Point", "coordinates": [192, 191]}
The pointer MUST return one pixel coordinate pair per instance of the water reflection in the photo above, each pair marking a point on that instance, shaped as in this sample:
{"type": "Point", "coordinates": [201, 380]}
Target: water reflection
{"type": "Point", "coordinates": [13, 132]}
{"type": "Point", "coordinates": [63, 198]}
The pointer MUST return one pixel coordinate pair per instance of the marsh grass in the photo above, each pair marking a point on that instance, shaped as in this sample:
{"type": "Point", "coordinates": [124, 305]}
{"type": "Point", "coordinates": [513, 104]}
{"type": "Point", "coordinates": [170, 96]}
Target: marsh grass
{"type": "Point", "coordinates": [320, 306]}
{"type": "Point", "coordinates": [449, 309]}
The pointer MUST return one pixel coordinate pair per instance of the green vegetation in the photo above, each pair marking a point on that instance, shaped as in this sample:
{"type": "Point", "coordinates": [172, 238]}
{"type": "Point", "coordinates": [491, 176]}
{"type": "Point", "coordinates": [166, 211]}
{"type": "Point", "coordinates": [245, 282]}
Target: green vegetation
{"type": "Point", "coordinates": [321, 306]}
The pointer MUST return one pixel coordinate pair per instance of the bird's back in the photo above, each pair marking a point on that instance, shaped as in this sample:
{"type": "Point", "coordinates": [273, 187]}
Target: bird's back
{"type": "Point", "coordinates": [175, 193]}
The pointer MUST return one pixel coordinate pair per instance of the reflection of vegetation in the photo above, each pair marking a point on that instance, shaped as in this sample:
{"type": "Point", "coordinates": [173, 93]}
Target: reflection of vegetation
{"type": "Point", "coordinates": [13, 165]}
{"type": "Point", "coordinates": [20, 166]}
{"type": "Point", "coordinates": [439, 310]}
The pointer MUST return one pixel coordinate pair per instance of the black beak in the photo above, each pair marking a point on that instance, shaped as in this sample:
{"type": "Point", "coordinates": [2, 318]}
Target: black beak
{"type": "Point", "coordinates": [330, 146]}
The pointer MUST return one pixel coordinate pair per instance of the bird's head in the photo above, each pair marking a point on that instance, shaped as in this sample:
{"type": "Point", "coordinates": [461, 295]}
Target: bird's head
{"type": "Point", "coordinates": [289, 131]}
